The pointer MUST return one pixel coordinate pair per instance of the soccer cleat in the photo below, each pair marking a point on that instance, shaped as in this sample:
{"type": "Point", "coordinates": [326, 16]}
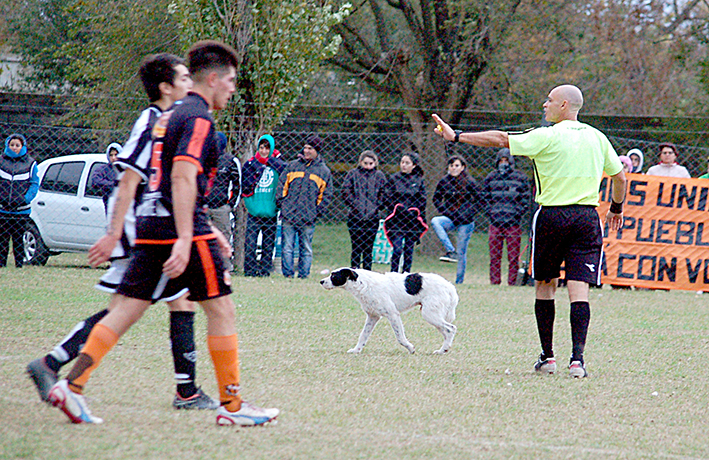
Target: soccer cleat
{"type": "Point", "coordinates": [577, 370]}
{"type": "Point", "coordinates": [43, 377]}
{"type": "Point", "coordinates": [449, 257]}
{"type": "Point", "coordinates": [248, 415]}
{"type": "Point", "coordinates": [198, 401]}
{"type": "Point", "coordinates": [72, 404]}
{"type": "Point", "coordinates": [546, 365]}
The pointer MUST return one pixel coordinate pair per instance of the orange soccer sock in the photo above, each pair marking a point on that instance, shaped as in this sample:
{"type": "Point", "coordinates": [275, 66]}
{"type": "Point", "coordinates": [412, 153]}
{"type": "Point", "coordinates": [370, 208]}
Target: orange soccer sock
{"type": "Point", "coordinates": [225, 356]}
{"type": "Point", "coordinates": [100, 341]}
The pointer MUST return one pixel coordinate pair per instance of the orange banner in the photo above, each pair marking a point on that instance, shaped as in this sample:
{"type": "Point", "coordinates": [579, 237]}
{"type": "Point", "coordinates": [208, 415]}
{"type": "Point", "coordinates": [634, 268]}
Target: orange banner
{"type": "Point", "coordinates": [664, 240]}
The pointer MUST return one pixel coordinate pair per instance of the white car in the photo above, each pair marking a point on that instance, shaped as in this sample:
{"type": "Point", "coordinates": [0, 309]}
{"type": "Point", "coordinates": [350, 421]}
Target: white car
{"type": "Point", "coordinates": [68, 214]}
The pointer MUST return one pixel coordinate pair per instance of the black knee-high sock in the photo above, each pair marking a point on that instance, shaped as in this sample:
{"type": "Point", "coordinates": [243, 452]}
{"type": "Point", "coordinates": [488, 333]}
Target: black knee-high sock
{"type": "Point", "coordinates": [580, 317]}
{"type": "Point", "coordinates": [69, 347]}
{"type": "Point", "coordinates": [544, 311]}
{"type": "Point", "coordinates": [184, 353]}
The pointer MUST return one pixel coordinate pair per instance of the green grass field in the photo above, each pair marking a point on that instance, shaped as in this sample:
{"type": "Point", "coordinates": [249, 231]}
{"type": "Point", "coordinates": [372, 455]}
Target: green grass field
{"type": "Point", "coordinates": [645, 398]}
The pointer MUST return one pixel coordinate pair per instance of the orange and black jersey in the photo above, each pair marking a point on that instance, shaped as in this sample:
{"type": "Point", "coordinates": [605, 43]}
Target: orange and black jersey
{"type": "Point", "coordinates": [183, 133]}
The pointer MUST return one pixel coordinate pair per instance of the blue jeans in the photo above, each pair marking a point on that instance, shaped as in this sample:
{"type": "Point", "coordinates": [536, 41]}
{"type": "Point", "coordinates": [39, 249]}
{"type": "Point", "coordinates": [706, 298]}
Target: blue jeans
{"type": "Point", "coordinates": [305, 249]}
{"type": "Point", "coordinates": [442, 225]}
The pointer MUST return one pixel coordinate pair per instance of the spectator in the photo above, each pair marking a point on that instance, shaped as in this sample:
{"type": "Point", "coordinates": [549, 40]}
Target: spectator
{"type": "Point", "coordinates": [104, 179]}
{"type": "Point", "coordinates": [261, 174]}
{"type": "Point", "coordinates": [705, 176]}
{"type": "Point", "coordinates": [627, 163]}
{"type": "Point", "coordinates": [404, 198]}
{"type": "Point", "coordinates": [507, 196]}
{"type": "Point", "coordinates": [455, 199]}
{"type": "Point", "coordinates": [361, 192]}
{"type": "Point", "coordinates": [19, 183]}
{"type": "Point", "coordinates": [225, 192]}
{"type": "Point", "coordinates": [304, 192]}
{"type": "Point", "coordinates": [668, 166]}
{"type": "Point", "coordinates": [636, 156]}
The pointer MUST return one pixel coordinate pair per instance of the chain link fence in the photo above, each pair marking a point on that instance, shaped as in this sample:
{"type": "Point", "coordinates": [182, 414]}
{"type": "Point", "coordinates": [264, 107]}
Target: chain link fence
{"type": "Point", "coordinates": [68, 213]}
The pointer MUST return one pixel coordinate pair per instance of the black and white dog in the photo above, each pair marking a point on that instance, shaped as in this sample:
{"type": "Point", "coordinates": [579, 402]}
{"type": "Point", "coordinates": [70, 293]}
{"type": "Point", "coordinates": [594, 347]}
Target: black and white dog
{"type": "Point", "coordinates": [391, 294]}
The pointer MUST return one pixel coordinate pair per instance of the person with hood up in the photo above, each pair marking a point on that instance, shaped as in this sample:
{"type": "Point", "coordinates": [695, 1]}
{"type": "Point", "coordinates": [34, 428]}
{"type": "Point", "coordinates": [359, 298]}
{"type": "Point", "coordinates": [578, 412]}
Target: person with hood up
{"type": "Point", "coordinates": [507, 195]}
{"type": "Point", "coordinates": [668, 166]}
{"type": "Point", "coordinates": [361, 191]}
{"type": "Point", "coordinates": [225, 193]}
{"type": "Point", "coordinates": [404, 199]}
{"type": "Point", "coordinates": [19, 183]}
{"type": "Point", "coordinates": [636, 156]}
{"type": "Point", "coordinates": [260, 181]}
{"type": "Point", "coordinates": [304, 192]}
{"type": "Point", "coordinates": [104, 179]}
{"type": "Point", "coordinates": [455, 198]}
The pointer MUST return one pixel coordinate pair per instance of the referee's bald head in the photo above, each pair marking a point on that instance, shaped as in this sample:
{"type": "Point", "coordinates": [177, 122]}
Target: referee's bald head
{"type": "Point", "coordinates": [572, 95]}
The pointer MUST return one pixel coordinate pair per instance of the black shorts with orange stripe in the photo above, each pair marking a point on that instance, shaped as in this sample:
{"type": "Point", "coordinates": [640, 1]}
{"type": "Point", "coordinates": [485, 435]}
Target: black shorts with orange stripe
{"type": "Point", "coordinates": [206, 275]}
{"type": "Point", "coordinates": [571, 235]}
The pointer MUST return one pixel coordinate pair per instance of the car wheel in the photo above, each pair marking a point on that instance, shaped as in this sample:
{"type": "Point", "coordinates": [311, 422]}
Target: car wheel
{"type": "Point", "coordinates": [36, 253]}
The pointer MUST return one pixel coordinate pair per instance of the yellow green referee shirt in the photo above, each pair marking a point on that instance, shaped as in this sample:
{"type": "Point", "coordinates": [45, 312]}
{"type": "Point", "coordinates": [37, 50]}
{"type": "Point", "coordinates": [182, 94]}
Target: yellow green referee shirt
{"type": "Point", "coordinates": [569, 160]}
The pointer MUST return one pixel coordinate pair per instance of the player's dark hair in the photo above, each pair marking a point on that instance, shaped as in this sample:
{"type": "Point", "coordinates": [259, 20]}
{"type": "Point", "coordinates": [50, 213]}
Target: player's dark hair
{"type": "Point", "coordinates": [156, 69]}
{"type": "Point", "coordinates": [207, 55]}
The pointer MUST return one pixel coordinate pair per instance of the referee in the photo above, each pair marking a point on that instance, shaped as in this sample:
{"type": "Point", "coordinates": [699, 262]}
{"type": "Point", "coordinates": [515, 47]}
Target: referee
{"type": "Point", "coordinates": [569, 160]}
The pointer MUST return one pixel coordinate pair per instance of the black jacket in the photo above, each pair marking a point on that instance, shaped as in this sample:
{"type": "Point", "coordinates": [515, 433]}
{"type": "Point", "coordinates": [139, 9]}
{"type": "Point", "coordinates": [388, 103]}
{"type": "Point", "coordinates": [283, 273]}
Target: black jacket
{"type": "Point", "coordinates": [361, 191]}
{"type": "Point", "coordinates": [304, 191]}
{"type": "Point", "coordinates": [409, 190]}
{"type": "Point", "coordinates": [228, 174]}
{"type": "Point", "coordinates": [506, 194]}
{"type": "Point", "coordinates": [456, 198]}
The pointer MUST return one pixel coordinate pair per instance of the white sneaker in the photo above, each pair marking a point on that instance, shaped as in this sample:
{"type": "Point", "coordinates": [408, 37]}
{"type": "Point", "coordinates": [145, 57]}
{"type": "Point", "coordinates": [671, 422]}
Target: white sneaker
{"type": "Point", "coordinates": [72, 404]}
{"type": "Point", "coordinates": [248, 415]}
{"type": "Point", "coordinates": [545, 366]}
{"type": "Point", "coordinates": [577, 370]}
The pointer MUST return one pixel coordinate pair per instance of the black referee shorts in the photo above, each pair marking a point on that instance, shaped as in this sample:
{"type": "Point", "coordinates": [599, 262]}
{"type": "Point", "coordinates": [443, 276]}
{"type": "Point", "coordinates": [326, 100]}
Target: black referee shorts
{"type": "Point", "coordinates": [206, 276]}
{"type": "Point", "coordinates": [571, 235]}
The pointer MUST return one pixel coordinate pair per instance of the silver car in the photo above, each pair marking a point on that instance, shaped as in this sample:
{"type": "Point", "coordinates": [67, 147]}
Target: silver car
{"type": "Point", "coordinates": [68, 214]}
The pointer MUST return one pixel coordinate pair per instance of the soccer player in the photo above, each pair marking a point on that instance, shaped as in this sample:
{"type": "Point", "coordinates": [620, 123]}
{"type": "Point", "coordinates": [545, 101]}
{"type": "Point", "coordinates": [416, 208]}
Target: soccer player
{"type": "Point", "coordinates": [569, 159]}
{"type": "Point", "coordinates": [166, 80]}
{"type": "Point", "coordinates": [175, 243]}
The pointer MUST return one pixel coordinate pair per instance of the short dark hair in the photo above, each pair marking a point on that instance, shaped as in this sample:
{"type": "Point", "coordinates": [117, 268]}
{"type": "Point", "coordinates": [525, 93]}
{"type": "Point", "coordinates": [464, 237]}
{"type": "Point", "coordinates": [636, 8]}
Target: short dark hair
{"type": "Point", "coordinates": [668, 145]}
{"type": "Point", "coordinates": [211, 55]}
{"type": "Point", "coordinates": [18, 137]}
{"type": "Point", "coordinates": [156, 69]}
{"type": "Point", "coordinates": [453, 158]}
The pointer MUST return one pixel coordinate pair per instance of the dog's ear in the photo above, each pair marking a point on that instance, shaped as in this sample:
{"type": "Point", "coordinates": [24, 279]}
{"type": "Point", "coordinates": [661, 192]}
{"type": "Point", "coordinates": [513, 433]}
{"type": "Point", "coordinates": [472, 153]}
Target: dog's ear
{"type": "Point", "coordinates": [352, 275]}
{"type": "Point", "coordinates": [340, 276]}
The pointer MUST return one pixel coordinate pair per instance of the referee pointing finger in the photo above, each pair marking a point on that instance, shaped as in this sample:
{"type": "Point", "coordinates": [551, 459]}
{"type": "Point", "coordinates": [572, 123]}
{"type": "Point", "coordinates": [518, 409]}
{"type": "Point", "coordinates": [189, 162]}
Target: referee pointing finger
{"type": "Point", "coordinates": [569, 160]}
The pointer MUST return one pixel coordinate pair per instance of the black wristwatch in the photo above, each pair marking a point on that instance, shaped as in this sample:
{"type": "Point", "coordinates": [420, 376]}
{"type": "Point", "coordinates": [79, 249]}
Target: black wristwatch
{"type": "Point", "coordinates": [457, 135]}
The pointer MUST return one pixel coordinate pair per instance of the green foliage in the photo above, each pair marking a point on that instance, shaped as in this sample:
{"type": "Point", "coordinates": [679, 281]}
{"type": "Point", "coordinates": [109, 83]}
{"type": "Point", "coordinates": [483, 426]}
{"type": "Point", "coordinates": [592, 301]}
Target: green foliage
{"type": "Point", "coordinates": [291, 40]}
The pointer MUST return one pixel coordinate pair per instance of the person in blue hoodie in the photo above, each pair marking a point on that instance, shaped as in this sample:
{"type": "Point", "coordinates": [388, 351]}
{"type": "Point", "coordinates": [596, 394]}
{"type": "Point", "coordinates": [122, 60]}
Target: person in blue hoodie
{"type": "Point", "coordinates": [19, 183]}
{"type": "Point", "coordinates": [260, 180]}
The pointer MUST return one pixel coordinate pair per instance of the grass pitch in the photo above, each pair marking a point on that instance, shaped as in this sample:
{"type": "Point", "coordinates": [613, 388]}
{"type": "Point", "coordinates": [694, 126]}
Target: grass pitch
{"type": "Point", "coordinates": [645, 398]}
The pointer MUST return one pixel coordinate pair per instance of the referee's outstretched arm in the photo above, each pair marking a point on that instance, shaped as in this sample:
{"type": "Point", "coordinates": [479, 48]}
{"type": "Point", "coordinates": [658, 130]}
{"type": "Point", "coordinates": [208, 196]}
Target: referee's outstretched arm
{"type": "Point", "coordinates": [493, 138]}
